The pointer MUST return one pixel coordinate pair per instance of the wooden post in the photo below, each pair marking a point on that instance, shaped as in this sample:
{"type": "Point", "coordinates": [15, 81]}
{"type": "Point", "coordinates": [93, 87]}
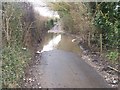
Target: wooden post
{"type": "Point", "coordinates": [89, 39]}
{"type": "Point", "coordinates": [101, 47]}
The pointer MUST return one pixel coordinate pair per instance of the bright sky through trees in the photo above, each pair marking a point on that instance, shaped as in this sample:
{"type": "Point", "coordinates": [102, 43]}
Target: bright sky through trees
{"type": "Point", "coordinates": [41, 7]}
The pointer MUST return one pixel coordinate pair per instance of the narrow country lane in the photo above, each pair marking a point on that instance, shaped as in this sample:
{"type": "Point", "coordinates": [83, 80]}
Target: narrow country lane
{"type": "Point", "coordinates": [62, 69]}
{"type": "Point", "coordinates": [50, 44]}
{"type": "Point", "coordinates": [61, 65]}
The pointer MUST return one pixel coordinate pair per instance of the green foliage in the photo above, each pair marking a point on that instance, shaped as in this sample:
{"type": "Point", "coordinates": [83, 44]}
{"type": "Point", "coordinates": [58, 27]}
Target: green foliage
{"type": "Point", "coordinates": [107, 18]}
{"type": "Point", "coordinates": [62, 8]}
{"type": "Point", "coordinates": [113, 56]}
{"type": "Point", "coordinates": [22, 27]}
{"type": "Point", "coordinates": [68, 24]}
{"type": "Point", "coordinates": [14, 61]}
{"type": "Point", "coordinates": [12, 23]}
{"type": "Point", "coordinates": [50, 24]}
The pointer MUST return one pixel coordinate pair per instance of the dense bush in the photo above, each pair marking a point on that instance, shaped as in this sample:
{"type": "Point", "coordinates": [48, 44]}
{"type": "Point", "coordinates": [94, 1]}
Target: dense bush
{"type": "Point", "coordinates": [14, 58]}
{"type": "Point", "coordinates": [20, 35]}
{"type": "Point", "coordinates": [107, 18]}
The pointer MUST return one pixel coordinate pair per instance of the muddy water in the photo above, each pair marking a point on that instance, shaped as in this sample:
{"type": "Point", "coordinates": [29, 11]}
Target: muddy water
{"type": "Point", "coordinates": [58, 41]}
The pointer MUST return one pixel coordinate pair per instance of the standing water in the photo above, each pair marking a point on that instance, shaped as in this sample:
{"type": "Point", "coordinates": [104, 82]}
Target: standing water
{"type": "Point", "coordinates": [58, 41]}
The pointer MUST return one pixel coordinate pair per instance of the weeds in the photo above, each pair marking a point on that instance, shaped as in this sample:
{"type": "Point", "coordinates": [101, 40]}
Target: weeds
{"type": "Point", "coordinates": [14, 61]}
{"type": "Point", "coordinates": [113, 56]}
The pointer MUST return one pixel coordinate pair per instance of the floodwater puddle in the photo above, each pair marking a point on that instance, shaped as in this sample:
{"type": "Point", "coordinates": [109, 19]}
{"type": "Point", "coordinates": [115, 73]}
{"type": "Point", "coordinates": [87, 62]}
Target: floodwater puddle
{"type": "Point", "coordinates": [59, 41]}
{"type": "Point", "coordinates": [52, 43]}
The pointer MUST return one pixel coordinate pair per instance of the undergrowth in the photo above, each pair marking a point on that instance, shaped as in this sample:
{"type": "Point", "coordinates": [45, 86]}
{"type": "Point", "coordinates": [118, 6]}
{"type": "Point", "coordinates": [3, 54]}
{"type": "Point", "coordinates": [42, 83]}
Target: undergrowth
{"type": "Point", "coordinates": [14, 61]}
{"type": "Point", "coordinates": [113, 56]}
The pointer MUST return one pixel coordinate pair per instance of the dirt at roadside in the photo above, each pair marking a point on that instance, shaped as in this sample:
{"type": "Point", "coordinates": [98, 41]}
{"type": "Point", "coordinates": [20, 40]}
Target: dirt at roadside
{"type": "Point", "coordinates": [103, 66]}
{"type": "Point", "coordinates": [29, 80]}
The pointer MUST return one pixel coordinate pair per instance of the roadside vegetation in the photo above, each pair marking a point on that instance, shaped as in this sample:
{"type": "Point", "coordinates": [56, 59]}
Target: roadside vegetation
{"type": "Point", "coordinates": [97, 24]}
{"type": "Point", "coordinates": [23, 28]}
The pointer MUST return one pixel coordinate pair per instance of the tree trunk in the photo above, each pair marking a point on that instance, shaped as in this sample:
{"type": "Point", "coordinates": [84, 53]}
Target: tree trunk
{"type": "Point", "coordinates": [7, 30]}
{"type": "Point", "coordinates": [101, 47]}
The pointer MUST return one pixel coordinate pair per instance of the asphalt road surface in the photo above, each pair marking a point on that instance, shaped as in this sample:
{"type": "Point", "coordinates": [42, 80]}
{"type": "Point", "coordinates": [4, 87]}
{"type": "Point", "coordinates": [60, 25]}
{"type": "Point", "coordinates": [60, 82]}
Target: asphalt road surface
{"type": "Point", "coordinates": [63, 68]}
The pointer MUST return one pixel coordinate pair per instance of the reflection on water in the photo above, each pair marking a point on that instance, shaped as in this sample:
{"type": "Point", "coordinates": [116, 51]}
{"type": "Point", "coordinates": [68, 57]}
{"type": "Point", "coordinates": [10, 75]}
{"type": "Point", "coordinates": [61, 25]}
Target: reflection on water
{"type": "Point", "coordinates": [59, 41]}
{"type": "Point", "coordinates": [52, 43]}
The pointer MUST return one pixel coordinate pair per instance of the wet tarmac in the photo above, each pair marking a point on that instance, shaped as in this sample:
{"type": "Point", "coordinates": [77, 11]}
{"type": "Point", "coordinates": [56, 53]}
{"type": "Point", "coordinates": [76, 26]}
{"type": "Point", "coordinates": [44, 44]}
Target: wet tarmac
{"type": "Point", "coordinates": [61, 65]}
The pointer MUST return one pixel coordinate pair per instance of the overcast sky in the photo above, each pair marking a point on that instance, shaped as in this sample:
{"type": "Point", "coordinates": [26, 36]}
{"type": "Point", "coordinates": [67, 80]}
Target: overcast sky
{"type": "Point", "coordinates": [39, 5]}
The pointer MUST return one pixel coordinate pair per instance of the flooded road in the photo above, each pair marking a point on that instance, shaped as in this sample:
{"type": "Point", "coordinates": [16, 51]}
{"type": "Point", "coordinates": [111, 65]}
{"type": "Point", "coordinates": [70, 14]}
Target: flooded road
{"type": "Point", "coordinates": [60, 42]}
{"type": "Point", "coordinates": [62, 67]}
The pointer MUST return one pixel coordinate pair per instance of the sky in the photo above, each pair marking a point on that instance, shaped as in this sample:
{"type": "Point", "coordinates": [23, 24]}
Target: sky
{"type": "Point", "coordinates": [39, 5]}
